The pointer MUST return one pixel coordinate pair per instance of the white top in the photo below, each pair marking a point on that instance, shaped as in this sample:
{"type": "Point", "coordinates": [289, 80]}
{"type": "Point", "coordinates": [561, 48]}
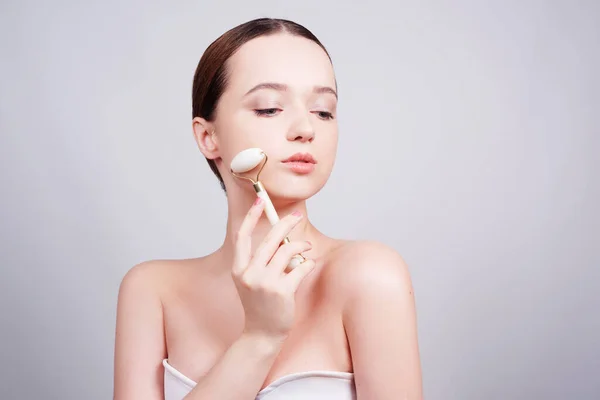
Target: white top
{"type": "Point", "coordinates": [313, 385]}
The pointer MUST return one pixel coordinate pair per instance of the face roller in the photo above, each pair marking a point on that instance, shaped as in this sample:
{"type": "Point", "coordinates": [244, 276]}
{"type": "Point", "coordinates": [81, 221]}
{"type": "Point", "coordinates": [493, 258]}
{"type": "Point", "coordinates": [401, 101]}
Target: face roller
{"type": "Point", "coordinates": [246, 161]}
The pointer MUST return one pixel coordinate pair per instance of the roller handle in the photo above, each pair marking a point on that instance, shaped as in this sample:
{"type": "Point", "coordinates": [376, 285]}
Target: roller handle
{"type": "Point", "coordinates": [274, 218]}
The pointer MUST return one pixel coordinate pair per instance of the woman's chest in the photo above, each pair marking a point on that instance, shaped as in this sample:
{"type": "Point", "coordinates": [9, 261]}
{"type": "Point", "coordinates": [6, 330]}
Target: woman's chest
{"type": "Point", "coordinates": [201, 324]}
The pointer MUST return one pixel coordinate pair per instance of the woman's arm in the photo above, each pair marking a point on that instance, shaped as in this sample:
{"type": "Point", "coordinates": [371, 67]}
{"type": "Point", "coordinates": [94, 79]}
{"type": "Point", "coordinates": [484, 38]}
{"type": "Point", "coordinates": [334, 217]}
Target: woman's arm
{"type": "Point", "coordinates": [139, 341]}
{"type": "Point", "coordinates": [380, 322]}
{"type": "Point", "coordinates": [240, 373]}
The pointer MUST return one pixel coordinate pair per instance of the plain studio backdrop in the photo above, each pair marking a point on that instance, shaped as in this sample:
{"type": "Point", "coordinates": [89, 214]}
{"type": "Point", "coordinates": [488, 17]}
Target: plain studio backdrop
{"type": "Point", "coordinates": [469, 142]}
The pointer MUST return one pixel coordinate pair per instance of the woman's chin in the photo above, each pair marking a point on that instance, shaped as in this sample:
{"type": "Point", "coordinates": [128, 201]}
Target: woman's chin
{"type": "Point", "coordinates": [286, 193]}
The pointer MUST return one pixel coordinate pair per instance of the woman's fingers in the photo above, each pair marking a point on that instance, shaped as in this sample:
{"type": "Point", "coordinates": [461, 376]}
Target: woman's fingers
{"type": "Point", "coordinates": [273, 240]}
{"type": "Point", "coordinates": [266, 293]}
{"type": "Point", "coordinates": [284, 254]}
{"type": "Point", "coordinates": [295, 277]}
{"type": "Point", "coordinates": [243, 239]}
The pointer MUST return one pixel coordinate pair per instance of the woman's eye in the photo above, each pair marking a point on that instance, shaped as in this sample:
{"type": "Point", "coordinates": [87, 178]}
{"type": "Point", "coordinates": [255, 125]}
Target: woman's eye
{"type": "Point", "coordinates": [325, 115]}
{"type": "Point", "coordinates": [266, 112]}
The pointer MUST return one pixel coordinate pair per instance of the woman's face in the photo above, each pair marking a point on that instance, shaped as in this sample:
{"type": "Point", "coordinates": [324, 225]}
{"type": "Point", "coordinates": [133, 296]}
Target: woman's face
{"type": "Point", "coordinates": [280, 97]}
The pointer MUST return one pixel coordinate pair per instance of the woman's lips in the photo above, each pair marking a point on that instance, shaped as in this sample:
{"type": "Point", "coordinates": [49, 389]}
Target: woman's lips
{"type": "Point", "coordinates": [300, 167]}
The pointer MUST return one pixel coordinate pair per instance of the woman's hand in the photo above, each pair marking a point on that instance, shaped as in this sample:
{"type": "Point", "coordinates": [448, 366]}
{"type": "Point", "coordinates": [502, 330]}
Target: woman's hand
{"type": "Point", "coordinates": [267, 292]}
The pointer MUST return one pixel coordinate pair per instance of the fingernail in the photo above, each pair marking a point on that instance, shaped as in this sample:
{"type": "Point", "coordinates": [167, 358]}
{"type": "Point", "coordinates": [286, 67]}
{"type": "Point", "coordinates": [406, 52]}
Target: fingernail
{"type": "Point", "coordinates": [257, 201]}
{"type": "Point", "coordinates": [297, 214]}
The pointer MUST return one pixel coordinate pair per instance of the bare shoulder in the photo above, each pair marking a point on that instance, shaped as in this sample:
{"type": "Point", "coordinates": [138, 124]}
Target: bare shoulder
{"type": "Point", "coordinates": [379, 318]}
{"type": "Point", "coordinates": [143, 276]}
{"type": "Point", "coordinates": [157, 275]}
{"type": "Point", "coordinates": [144, 286]}
{"type": "Point", "coordinates": [140, 344]}
{"type": "Point", "coordinates": [371, 266]}
{"type": "Point", "coordinates": [144, 289]}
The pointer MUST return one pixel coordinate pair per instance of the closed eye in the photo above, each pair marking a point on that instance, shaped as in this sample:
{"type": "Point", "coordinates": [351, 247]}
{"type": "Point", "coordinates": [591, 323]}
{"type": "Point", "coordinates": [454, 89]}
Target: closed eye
{"type": "Point", "coordinates": [267, 112]}
{"type": "Point", "coordinates": [326, 115]}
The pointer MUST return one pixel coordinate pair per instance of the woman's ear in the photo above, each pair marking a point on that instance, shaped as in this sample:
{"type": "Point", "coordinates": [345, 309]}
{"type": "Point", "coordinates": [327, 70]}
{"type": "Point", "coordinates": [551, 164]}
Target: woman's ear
{"type": "Point", "coordinates": [206, 139]}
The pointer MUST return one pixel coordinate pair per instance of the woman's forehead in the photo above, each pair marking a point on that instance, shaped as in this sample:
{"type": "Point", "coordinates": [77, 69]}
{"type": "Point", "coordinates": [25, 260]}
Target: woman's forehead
{"type": "Point", "coordinates": [290, 60]}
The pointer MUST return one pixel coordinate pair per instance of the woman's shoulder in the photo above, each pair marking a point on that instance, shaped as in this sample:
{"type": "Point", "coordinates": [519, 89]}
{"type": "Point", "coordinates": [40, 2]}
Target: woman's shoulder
{"type": "Point", "coordinates": [366, 264]}
{"type": "Point", "coordinates": [158, 275]}
{"type": "Point", "coordinates": [358, 254]}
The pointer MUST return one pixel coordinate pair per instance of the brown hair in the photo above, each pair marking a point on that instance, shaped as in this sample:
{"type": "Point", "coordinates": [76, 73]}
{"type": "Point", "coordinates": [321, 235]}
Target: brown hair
{"type": "Point", "coordinates": [210, 78]}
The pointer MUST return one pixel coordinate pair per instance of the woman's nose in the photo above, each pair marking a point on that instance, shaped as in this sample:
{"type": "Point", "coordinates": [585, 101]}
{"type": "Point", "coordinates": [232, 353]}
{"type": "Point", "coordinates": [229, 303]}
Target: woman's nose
{"type": "Point", "coordinates": [303, 131]}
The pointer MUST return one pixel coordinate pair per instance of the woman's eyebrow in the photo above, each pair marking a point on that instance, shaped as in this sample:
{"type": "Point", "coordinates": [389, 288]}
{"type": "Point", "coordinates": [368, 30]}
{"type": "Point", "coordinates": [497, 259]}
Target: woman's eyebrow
{"type": "Point", "coordinates": [268, 85]}
{"type": "Point", "coordinates": [282, 88]}
{"type": "Point", "coordinates": [325, 89]}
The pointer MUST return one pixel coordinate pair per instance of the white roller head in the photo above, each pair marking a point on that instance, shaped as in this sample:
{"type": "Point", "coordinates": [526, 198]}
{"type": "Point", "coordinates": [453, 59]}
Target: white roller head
{"type": "Point", "coordinates": [247, 160]}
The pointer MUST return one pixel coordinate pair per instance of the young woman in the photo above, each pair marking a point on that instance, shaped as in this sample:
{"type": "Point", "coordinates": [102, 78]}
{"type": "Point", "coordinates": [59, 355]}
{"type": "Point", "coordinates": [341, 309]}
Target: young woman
{"type": "Point", "coordinates": [237, 323]}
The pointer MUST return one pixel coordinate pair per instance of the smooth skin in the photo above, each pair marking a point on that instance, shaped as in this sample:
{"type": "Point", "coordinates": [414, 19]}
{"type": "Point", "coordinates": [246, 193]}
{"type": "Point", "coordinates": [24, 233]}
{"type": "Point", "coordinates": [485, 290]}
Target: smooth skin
{"type": "Point", "coordinates": [237, 315]}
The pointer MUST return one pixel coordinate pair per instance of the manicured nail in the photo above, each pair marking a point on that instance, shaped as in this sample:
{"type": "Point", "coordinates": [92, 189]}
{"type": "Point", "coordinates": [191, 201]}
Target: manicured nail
{"type": "Point", "coordinates": [297, 214]}
{"type": "Point", "coordinates": [258, 201]}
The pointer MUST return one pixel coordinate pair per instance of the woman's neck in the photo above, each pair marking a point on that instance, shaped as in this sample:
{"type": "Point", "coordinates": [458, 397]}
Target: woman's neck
{"type": "Point", "coordinates": [238, 206]}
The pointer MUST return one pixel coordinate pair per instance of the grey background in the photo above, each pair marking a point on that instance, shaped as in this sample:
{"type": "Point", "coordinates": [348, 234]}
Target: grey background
{"type": "Point", "coordinates": [473, 125]}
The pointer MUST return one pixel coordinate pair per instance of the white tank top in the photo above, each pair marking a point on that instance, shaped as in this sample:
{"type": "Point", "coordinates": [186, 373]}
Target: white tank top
{"type": "Point", "coordinates": [313, 385]}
